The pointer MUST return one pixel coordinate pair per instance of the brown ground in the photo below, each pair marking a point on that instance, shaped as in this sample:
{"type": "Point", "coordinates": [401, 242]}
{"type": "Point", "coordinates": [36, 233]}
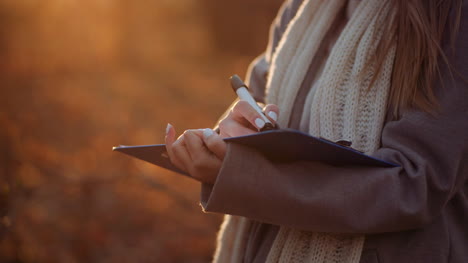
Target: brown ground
{"type": "Point", "coordinates": [78, 77]}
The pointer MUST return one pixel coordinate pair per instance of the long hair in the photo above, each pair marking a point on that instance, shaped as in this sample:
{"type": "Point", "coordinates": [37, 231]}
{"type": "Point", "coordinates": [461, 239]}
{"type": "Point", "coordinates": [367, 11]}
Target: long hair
{"type": "Point", "coordinates": [419, 27]}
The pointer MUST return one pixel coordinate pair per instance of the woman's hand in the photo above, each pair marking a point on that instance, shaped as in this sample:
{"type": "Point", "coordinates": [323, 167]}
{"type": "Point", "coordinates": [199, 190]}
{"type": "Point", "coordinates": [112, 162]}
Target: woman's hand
{"type": "Point", "coordinates": [197, 152]}
{"type": "Point", "coordinates": [244, 120]}
{"type": "Point", "coordinates": [201, 152]}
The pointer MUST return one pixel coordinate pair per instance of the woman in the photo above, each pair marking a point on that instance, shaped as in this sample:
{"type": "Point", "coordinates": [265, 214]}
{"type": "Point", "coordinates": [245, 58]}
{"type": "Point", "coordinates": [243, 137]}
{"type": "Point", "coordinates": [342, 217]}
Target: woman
{"type": "Point", "coordinates": [386, 75]}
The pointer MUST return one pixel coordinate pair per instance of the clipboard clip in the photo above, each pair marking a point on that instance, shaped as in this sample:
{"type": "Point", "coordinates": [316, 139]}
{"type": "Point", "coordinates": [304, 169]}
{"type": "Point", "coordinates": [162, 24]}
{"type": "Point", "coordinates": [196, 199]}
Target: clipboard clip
{"type": "Point", "coordinates": [343, 143]}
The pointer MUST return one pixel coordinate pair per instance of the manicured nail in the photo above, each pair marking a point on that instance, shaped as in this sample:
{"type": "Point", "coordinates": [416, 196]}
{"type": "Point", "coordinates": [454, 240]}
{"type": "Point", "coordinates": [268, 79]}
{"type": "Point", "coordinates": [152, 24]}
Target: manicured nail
{"type": "Point", "coordinates": [207, 133]}
{"type": "Point", "coordinates": [260, 123]}
{"type": "Point", "coordinates": [168, 128]}
{"type": "Point", "coordinates": [273, 115]}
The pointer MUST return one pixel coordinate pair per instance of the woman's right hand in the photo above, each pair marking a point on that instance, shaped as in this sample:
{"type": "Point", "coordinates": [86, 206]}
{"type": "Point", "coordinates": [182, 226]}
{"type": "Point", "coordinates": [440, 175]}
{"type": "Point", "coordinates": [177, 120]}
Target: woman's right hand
{"type": "Point", "coordinates": [243, 119]}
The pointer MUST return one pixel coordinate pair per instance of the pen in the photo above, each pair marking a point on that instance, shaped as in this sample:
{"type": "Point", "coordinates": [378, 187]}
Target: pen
{"type": "Point", "coordinates": [243, 93]}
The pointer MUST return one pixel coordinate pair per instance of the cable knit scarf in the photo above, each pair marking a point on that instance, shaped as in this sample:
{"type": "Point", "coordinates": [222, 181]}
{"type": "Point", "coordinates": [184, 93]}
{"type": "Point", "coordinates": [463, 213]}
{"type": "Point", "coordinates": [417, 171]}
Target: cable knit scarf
{"type": "Point", "coordinates": [341, 106]}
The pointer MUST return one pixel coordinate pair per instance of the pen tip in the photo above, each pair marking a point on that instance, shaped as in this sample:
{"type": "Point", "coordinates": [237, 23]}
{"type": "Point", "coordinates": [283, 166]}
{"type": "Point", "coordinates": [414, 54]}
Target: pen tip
{"type": "Point", "coordinates": [236, 82]}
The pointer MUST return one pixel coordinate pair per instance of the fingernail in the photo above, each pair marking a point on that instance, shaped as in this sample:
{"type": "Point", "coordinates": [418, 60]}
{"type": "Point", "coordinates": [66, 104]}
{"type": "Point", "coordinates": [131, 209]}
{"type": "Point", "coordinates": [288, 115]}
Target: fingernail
{"type": "Point", "coordinates": [260, 123]}
{"type": "Point", "coordinates": [273, 115]}
{"type": "Point", "coordinates": [207, 133]}
{"type": "Point", "coordinates": [168, 128]}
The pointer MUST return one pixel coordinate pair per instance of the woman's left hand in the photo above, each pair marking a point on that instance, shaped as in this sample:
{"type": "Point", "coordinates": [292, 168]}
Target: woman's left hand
{"type": "Point", "coordinates": [197, 152]}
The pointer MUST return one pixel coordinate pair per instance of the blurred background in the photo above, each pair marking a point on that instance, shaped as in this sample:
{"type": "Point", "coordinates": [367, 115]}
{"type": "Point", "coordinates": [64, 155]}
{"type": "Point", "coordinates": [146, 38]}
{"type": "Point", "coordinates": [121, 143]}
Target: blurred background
{"type": "Point", "coordinates": [80, 76]}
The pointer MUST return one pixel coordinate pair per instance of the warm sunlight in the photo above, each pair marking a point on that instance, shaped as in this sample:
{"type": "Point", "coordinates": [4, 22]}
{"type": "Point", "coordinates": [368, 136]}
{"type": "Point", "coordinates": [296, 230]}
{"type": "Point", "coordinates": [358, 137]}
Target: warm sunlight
{"type": "Point", "coordinates": [79, 77]}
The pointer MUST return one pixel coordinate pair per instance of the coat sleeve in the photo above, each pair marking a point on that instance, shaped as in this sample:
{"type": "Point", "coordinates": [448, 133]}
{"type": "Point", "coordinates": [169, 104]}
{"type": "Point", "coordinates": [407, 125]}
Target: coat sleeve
{"type": "Point", "coordinates": [432, 151]}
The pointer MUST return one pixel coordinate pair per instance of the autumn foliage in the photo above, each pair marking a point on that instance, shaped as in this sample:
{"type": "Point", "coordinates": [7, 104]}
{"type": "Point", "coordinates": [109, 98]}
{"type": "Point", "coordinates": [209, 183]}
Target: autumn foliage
{"type": "Point", "coordinates": [78, 77]}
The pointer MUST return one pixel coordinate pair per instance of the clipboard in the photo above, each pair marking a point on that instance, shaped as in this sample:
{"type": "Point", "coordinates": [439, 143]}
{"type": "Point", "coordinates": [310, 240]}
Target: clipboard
{"type": "Point", "coordinates": [284, 145]}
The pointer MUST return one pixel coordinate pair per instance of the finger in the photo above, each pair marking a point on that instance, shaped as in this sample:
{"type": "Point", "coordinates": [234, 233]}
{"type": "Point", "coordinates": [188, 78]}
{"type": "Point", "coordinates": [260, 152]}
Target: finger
{"type": "Point", "coordinates": [214, 143]}
{"type": "Point", "coordinates": [271, 112]}
{"type": "Point", "coordinates": [243, 110]}
{"type": "Point", "coordinates": [169, 139]}
{"type": "Point", "coordinates": [173, 148]}
{"type": "Point", "coordinates": [198, 132]}
{"type": "Point", "coordinates": [181, 156]}
{"type": "Point", "coordinates": [205, 165]}
{"type": "Point", "coordinates": [195, 145]}
{"type": "Point", "coordinates": [231, 128]}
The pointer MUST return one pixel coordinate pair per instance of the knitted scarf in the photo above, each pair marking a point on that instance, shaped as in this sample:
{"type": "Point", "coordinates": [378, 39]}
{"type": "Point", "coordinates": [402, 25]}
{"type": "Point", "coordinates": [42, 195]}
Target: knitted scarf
{"type": "Point", "coordinates": [342, 105]}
